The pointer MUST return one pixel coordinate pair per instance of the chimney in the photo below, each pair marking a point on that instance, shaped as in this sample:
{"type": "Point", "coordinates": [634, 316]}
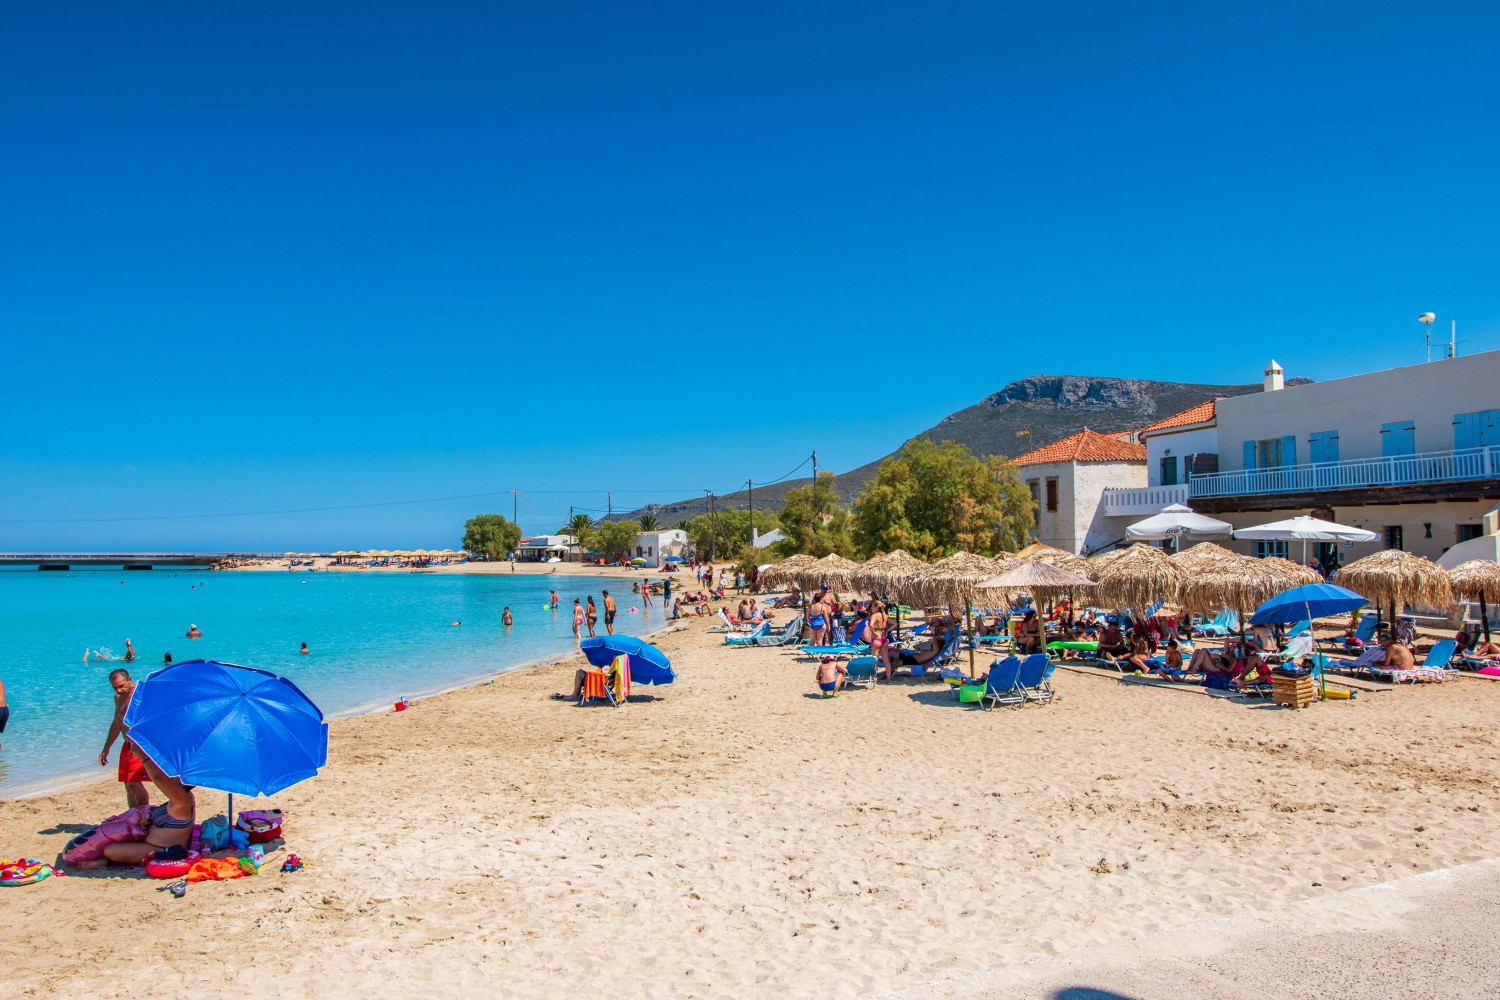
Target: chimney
{"type": "Point", "coordinates": [1273, 376]}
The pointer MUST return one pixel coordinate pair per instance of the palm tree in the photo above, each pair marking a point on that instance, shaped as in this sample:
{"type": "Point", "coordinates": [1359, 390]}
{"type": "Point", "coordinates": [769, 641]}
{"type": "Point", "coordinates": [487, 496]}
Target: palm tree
{"type": "Point", "coordinates": [578, 524]}
{"type": "Point", "coordinates": [648, 522]}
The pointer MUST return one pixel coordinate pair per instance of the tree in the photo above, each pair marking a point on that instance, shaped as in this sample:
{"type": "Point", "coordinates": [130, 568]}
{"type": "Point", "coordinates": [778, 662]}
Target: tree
{"type": "Point", "coordinates": [936, 499]}
{"type": "Point", "coordinates": [727, 532]}
{"type": "Point", "coordinates": [615, 538]}
{"type": "Point", "coordinates": [490, 535]}
{"type": "Point", "coordinates": [813, 521]}
{"type": "Point", "coordinates": [649, 522]}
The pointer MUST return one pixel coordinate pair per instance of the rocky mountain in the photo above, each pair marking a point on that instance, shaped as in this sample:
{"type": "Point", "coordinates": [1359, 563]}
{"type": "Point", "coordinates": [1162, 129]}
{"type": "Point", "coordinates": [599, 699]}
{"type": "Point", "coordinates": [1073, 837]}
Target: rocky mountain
{"type": "Point", "coordinates": [1026, 414]}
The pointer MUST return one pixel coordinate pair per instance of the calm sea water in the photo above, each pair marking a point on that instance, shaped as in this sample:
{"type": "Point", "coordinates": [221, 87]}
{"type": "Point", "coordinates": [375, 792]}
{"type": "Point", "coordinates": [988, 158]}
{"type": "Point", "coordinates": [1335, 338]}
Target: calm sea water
{"type": "Point", "coordinates": [373, 637]}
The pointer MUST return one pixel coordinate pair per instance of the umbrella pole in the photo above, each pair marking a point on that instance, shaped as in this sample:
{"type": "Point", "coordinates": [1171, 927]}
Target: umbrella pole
{"type": "Point", "coordinates": [231, 809]}
{"type": "Point", "coordinates": [969, 614]}
{"type": "Point", "coordinates": [1484, 616]}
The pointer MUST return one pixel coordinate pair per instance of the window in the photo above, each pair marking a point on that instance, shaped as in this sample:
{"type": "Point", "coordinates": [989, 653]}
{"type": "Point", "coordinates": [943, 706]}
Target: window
{"type": "Point", "coordinates": [1169, 470]}
{"type": "Point", "coordinates": [1270, 547]}
{"type": "Point", "coordinates": [1476, 430]}
{"type": "Point", "coordinates": [1323, 446]}
{"type": "Point", "coordinates": [1268, 453]}
{"type": "Point", "coordinates": [1394, 538]}
{"type": "Point", "coordinates": [1398, 438]}
{"type": "Point", "coordinates": [1052, 494]}
{"type": "Point", "coordinates": [1273, 453]}
{"type": "Point", "coordinates": [1468, 531]}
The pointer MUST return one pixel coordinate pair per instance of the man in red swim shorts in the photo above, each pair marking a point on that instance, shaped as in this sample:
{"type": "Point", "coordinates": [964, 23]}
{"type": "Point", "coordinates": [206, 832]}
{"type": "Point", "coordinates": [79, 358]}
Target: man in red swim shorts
{"type": "Point", "coordinates": [132, 771]}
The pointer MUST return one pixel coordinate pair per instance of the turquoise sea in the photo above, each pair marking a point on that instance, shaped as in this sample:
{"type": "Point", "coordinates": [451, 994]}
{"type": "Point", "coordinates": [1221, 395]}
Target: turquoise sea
{"type": "Point", "coordinates": [373, 637]}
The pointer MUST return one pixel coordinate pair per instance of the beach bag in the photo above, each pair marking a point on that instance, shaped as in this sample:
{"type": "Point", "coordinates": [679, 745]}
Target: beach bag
{"type": "Point", "coordinates": [1216, 682]}
{"type": "Point", "coordinates": [213, 834]}
{"type": "Point", "coordinates": [128, 827]}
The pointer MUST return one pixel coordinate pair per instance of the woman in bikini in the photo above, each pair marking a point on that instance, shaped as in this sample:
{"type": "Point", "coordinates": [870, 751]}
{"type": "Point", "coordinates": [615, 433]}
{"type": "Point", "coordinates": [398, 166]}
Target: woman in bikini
{"type": "Point", "coordinates": [876, 628]}
{"type": "Point", "coordinates": [171, 822]}
{"type": "Point", "coordinates": [578, 617]}
{"type": "Point", "coordinates": [592, 616]}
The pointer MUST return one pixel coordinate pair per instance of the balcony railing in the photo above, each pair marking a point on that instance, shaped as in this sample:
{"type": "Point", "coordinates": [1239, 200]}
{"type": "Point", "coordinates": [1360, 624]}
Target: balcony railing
{"type": "Point", "coordinates": [1356, 473]}
{"type": "Point", "coordinates": [1145, 500]}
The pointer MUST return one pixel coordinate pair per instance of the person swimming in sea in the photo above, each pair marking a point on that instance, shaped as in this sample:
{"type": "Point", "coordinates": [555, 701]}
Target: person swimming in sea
{"type": "Point", "coordinates": [303, 650]}
{"type": "Point", "coordinates": [506, 618]}
{"type": "Point", "coordinates": [194, 632]}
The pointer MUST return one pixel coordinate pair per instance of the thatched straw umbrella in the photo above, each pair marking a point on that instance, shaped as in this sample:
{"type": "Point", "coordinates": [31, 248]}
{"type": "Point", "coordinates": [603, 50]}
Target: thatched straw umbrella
{"type": "Point", "coordinates": [1474, 581]}
{"type": "Point", "coordinates": [1038, 577]}
{"type": "Point", "coordinates": [897, 572]}
{"type": "Point", "coordinates": [1061, 558]}
{"type": "Point", "coordinates": [956, 580]}
{"type": "Point", "coordinates": [1291, 574]}
{"type": "Point", "coordinates": [833, 569]}
{"type": "Point", "coordinates": [786, 571]}
{"type": "Point", "coordinates": [1130, 579]}
{"type": "Point", "coordinates": [1397, 578]}
{"type": "Point", "coordinates": [1220, 578]}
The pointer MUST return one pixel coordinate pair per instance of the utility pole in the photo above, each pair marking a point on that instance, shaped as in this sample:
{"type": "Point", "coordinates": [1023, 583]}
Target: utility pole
{"type": "Point", "coordinates": [515, 506]}
{"type": "Point", "coordinates": [713, 531]}
{"type": "Point", "coordinates": [750, 486]}
{"type": "Point", "coordinates": [609, 505]}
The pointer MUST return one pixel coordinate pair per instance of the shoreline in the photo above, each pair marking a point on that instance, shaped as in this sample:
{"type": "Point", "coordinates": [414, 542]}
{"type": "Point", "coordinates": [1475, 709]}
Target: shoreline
{"type": "Point", "coordinates": [51, 786]}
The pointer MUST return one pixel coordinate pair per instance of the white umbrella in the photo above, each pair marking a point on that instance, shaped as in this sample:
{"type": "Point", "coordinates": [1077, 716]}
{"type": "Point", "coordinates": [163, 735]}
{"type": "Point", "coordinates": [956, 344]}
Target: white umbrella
{"type": "Point", "coordinates": [1179, 521]}
{"type": "Point", "coordinates": [1306, 529]}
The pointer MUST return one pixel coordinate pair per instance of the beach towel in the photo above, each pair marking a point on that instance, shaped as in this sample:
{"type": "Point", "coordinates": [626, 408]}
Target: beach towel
{"type": "Point", "coordinates": [620, 671]}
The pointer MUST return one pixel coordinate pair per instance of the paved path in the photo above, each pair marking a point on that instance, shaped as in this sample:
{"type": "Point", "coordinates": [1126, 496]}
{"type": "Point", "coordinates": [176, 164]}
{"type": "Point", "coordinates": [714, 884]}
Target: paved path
{"type": "Point", "coordinates": [1435, 935]}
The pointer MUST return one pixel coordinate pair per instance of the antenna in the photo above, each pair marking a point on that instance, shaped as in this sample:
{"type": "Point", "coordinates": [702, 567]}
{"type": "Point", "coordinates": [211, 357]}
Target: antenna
{"type": "Point", "coordinates": [1428, 318]}
{"type": "Point", "coordinates": [1453, 339]}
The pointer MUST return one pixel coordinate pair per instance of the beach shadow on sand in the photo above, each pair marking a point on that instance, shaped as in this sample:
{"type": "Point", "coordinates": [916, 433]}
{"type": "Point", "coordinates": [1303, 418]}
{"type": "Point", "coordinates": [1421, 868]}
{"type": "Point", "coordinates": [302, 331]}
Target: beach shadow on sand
{"type": "Point", "coordinates": [67, 828]}
{"type": "Point", "coordinates": [1088, 993]}
{"type": "Point", "coordinates": [943, 697]}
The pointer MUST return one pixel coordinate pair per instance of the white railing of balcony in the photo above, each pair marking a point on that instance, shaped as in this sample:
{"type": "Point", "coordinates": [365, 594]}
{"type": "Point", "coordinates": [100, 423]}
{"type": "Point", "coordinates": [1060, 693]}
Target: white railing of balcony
{"type": "Point", "coordinates": [1357, 473]}
{"type": "Point", "coordinates": [1142, 499]}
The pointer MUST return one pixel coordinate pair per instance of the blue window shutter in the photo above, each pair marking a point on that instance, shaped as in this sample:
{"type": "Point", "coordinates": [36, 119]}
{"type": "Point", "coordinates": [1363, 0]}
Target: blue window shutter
{"type": "Point", "coordinates": [1249, 454]}
{"type": "Point", "coordinates": [1465, 430]}
{"type": "Point", "coordinates": [1289, 450]}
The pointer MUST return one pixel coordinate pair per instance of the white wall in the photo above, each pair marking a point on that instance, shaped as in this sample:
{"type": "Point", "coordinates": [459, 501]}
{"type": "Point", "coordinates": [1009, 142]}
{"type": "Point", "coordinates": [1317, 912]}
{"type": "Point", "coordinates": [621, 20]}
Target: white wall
{"type": "Point", "coordinates": [1079, 522]}
{"type": "Point", "coordinates": [1180, 444]}
{"type": "Point", "coordinates": [1091, 528]}
{"type": "Point", "coordinates": [1427, 394]}
{"type": "Point", "coordinates": [1412, 517]}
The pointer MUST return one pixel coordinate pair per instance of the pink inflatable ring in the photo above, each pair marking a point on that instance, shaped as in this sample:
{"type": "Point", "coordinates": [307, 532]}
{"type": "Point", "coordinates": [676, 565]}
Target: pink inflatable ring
{"type": "Point", "coordinates": [170, 869]}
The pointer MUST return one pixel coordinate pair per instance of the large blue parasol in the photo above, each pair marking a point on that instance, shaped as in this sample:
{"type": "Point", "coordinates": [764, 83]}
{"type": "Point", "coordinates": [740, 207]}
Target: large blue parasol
{"type": "Point", "coordinates": [1309, 601]}
{"type": "Point", "coordinates": [228, 727]}
{"type": "Point", "coordinates": [648, 665]}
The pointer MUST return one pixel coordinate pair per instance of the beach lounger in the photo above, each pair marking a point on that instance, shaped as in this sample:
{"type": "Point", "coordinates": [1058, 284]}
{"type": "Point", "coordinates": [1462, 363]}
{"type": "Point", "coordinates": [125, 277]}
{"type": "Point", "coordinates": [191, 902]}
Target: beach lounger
{"type": "Point", "coordinates": [861, 671]}
{"type": "Point", "coordinates": [1432, 669]}
{"type": "Point", "coordinates": [1033, 678]}
{"type": "Point", "coordinates": [1004, 684]}
{"type": "Point", "coordinates": [944, 656]}
{"type": "Point", "coordinates": [1224, 623]}
{"type": "Point", "coordinates": [1364, 633]}
{"type": "Point", "coordinates": [747, 638]}
{"type": "Point", "coordinates": [789, 634]}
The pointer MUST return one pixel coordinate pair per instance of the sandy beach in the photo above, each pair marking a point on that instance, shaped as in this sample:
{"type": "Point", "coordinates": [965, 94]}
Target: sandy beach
{"type": "Point", "coordinates": [737, 837]}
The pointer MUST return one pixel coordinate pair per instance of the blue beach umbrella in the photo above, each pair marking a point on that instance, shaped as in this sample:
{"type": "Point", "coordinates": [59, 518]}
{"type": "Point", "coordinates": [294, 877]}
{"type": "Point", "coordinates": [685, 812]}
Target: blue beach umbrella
{"type": "Point", "coordinates": [648, 665]}
{"type": "Point", "coordinates": [228, 727]}
{"type": "Point", "coordinates": [1304, 603]}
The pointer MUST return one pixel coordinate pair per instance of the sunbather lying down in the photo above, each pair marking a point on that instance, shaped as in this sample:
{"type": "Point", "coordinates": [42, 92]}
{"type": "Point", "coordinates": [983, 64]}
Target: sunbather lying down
{"type": "Point", "coordinates": [912, 657]}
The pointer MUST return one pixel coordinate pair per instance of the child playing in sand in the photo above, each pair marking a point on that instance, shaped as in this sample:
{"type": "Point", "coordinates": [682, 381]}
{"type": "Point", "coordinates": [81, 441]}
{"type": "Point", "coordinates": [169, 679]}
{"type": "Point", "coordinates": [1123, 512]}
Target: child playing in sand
{"type": "Point", "coordinates": [831, 676]}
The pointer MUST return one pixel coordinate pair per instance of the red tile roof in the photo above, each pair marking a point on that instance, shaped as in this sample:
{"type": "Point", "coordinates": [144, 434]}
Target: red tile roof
{"type": "Point", "coordinates": [1085, 446]}
{"type": "Point", "coordinates": [1200, 414]}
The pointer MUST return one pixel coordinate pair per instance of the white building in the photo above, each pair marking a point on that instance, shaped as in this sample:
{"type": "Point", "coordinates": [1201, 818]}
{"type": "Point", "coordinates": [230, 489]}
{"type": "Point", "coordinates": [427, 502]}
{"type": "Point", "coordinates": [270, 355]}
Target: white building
{"type": "Point", "coordinates": [541, 548]}
{"type": "Point", "coordinates": [654, 546]}
{"type": "Point", "coordinates": [1411, 453]}
{"type": "Point", "coordinates": [1068, 479]}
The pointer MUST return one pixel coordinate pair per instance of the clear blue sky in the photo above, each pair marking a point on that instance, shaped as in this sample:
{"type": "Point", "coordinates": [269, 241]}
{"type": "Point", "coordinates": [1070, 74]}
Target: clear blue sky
{"type": "Point", "coordinates": [290, 256]}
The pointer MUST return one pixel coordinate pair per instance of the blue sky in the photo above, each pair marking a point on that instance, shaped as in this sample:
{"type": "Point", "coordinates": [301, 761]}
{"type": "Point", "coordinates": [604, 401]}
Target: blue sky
{"type": "Point", "coordinates": [285, 257]}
